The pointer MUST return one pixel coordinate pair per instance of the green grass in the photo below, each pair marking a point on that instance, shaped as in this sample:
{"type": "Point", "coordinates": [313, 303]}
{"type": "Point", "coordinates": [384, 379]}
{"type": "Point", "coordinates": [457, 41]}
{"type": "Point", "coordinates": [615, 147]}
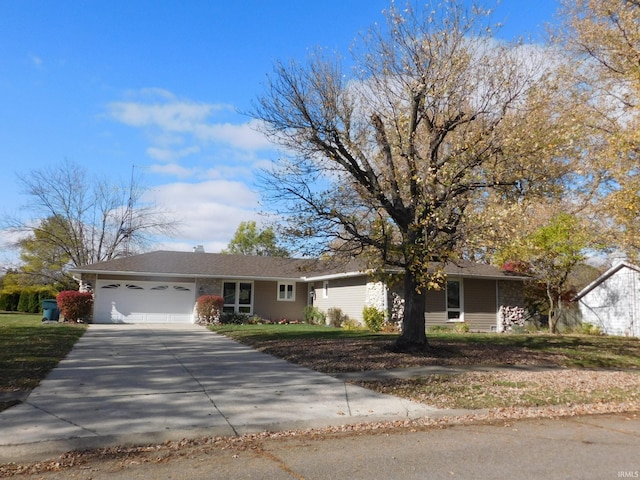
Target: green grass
{"type": "Point", "coordinates": [29, 349]}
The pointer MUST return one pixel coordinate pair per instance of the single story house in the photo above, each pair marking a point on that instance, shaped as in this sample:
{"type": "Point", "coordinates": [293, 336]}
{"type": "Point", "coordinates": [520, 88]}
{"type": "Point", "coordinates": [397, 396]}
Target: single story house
{"type": "Point", "coordinates": [163, 286]}
{"type": "Point", "coordinates": [612, 301]}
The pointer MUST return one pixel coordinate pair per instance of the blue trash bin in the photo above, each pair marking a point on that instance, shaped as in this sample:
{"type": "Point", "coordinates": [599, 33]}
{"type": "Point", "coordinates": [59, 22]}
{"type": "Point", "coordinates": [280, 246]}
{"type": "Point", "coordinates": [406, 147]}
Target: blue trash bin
{"type": "Point", "coordinates": [50, 311]}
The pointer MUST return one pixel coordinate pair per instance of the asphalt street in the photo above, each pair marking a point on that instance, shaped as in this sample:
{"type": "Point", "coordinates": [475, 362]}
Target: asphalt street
{"type": "Point", "coordinates": [590, 447]}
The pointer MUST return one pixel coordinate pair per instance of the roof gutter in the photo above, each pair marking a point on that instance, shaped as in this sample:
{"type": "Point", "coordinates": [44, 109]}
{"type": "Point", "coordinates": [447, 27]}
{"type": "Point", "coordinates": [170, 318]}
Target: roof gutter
{"type": "Point", "coordinates": [333, 276]}
{"type": "Point", "coordinates": [129, 273]}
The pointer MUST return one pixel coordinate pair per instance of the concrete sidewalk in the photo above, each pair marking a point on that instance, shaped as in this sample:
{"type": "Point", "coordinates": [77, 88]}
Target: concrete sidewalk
{"type": "Point", "coordinates": [138, 384]}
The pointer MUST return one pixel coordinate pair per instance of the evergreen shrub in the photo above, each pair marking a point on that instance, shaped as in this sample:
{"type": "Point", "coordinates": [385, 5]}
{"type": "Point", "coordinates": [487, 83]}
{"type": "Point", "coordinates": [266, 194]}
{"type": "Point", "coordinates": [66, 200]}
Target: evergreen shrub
{"type": "Point", "coordinates": [373, 318]}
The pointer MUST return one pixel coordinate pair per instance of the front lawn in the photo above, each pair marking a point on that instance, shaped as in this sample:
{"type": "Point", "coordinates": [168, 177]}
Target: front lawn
{"type": "Point", "coordinates": [334, 350]}
{"type": "Point", "coordinates": [29, 349]}
{"type": "Point", "coordinates": [591, 372]}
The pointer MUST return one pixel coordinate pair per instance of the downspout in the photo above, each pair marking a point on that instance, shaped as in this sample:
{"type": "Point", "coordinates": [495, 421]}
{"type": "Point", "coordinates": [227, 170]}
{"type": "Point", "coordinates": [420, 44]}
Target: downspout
{"type": "Point", "coordinates": [633, 328]}
{"type": "Point", "coordinates": [385, 301]}
{"type": "Point", "coordinates": [499, 322]}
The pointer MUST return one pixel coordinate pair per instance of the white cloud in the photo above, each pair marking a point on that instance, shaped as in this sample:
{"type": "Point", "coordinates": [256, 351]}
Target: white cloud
{"type": "Point", "coordinates": [208, 212]}
{"type": "Point", "coordinates": [172, 169]}
{"type": "Point", "coordinates": [211, 247]}
{"type": "Point", "coordinates": [175, 116]}
{"type": "Point", "coordinates": [167, 154]}
{"type": "Point", "coordinates": [178, 128]}
{"type": "Point", "coordinates": [243, 136]}
{"type": "Point", "coordinates": [9, 254]}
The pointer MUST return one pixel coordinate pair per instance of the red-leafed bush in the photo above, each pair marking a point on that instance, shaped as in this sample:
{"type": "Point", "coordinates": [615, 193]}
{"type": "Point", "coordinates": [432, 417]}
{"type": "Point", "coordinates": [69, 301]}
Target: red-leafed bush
{"type": "Point", "coordinates": [209, 308]}
{"type": "Point", "coordinates": [516, 266]}
{"type": "Point", "coordinates": [74, 305]}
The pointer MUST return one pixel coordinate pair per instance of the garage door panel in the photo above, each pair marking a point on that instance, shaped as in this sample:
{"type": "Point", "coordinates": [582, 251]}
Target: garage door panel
{"type": "Point", "coordinates": [144, 302]}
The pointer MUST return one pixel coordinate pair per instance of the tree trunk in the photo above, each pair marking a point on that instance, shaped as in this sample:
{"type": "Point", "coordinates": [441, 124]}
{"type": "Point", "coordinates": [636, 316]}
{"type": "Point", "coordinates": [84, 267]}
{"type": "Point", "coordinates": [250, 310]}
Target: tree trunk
{"type": "Point", "coordinates": [413, 337]}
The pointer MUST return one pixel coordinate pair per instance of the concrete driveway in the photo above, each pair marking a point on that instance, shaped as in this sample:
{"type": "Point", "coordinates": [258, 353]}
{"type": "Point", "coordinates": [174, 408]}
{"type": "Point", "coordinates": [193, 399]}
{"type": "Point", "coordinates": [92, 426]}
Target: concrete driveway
{"type": "Point", "coordinates": [124, 384]}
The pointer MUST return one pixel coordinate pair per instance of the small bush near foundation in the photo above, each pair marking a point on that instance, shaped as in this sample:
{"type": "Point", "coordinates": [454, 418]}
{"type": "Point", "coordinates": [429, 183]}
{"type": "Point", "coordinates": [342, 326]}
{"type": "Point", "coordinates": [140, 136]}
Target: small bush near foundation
{"type": "Point", "coordinates": [209, 308]}
{"type": "Point", "coordinates": [232, 318]}
{"type": "Point", "coordinates": [75, 306]}
{"type": "Point", "coordinates": [373, 318]}
{"type": "Point", "coordinates": [352, 324]}
{"type": "Point", "coordinates": [590, 329]}
{"type": "Point", "coordinates": [313, 315]}
{"type": "Point", "coordinates": [439, 329]}
{"type": "Point", "coordinates": [336, 317]}
{"type": "Point", "coordinates": [462, 328]}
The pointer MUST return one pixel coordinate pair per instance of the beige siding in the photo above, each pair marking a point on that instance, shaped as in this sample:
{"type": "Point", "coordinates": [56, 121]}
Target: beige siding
{"type": "Point", "coordinates": [347, 294]}
{"type": "Point", "coordinates": [480, 310]}
{"type": "Point", "coordinates": [436, 308]}
{"type": "Point", "coordinates": [479, 306]}
{"type": "Point", "coordinates": [266, 304]}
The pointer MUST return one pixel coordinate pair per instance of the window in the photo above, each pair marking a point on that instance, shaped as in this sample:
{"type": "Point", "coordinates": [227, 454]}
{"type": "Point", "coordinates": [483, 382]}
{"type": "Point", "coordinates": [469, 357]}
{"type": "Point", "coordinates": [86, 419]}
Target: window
{"type": "Point", "coordinates": [238, 297]}
{"type": "Point", "coordinates": [286, 292]}
{"type": "Point", "coordinates": [454, 301]}
{"type": "Point", "coordinates": [325, 289]}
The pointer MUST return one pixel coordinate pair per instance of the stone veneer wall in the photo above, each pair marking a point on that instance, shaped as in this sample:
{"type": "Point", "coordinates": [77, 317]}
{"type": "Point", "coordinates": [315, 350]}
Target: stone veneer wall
{"type": "Point", "coordinates": [209, 286]}
{"type": "Point", "coordinates": [376, 296]}
{"type": "Point", "coordinates": [511, 304]}
{"type": "Point", "coordinates": [510, 293]}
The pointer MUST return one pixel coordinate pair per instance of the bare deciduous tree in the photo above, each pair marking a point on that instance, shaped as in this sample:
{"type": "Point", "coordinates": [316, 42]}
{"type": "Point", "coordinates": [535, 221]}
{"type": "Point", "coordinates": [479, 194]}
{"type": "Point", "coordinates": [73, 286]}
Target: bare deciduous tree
{"type": "Point", "coordinates": [94, 219]}
{"type": "Point", "coordinates": [387, 161]}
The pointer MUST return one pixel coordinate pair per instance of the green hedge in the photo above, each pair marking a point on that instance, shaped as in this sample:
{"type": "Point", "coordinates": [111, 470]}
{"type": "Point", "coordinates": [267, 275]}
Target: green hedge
{"type": "Point", "coordinates": [9, 301]}
{"type": "Point", "coordinates": [25, 299]}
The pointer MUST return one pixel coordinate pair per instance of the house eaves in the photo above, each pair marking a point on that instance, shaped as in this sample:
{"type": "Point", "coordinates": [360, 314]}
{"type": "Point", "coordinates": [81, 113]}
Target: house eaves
{"type": "Point", "coordinates": [335, 276]}
{"type": "Point", "coordinates": [129, 273]}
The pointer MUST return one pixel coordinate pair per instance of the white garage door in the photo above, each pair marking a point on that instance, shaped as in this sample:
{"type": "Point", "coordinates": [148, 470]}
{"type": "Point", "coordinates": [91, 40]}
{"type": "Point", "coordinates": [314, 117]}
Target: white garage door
{"type": "Point", "coordinates": [143, 302]}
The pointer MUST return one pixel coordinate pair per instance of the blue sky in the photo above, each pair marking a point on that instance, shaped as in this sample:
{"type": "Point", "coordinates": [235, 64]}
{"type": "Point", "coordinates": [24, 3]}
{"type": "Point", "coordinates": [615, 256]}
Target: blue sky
{"type": "Point", "coordinates": [162, 85]}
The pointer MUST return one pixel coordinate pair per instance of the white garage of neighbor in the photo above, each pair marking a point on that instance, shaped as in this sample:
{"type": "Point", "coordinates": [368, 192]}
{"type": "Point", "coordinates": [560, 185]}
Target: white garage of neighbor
{"type": "Point", "coordinates": [131, 301]}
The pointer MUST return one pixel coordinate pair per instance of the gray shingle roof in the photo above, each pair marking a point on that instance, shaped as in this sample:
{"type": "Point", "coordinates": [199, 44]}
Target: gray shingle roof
{"type": "Point", "coordinates": [201, 264]}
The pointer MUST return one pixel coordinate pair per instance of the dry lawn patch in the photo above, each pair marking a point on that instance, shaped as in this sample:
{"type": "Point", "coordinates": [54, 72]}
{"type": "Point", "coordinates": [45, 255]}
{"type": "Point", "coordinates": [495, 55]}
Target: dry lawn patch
{"type": "Point", "coordinates": [481, 390]}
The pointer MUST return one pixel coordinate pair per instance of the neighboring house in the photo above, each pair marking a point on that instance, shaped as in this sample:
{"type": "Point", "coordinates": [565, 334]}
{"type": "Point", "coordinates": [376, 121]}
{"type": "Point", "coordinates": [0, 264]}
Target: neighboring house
{"type": "Point", "coordinates": [162, 287]}
{"type": "Point", "coordinates": [612, 301]}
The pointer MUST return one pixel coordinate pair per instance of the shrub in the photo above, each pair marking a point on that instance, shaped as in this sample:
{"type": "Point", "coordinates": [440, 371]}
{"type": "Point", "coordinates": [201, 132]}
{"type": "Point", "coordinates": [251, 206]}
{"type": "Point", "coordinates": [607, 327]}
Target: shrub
{"type": "Point", "coordinates": [373, 318]}
{"type": "Point", "coordinates": [74, 306]}
{"type": "Point", "coordinates": [462, 328]}
{"type": "Point", "coordinates": [313, 315]}
{"type": "Point", "coordinates": [336, 317]}
{"type": "Point", "coordinates": [439, 329]}
{"type": "Point", "coordinates": [209, 308]}
{"type": "Point", "coordinates": [9, 301]}
{"type": "Point", "coordinates": [234, 318]}
{"type": "Point", "coordinates": [390, 327]}
{"type": "Point", "coordinates": [590, 329]}
{"type": "Point", "coordinates": [23, 303]}
{"type": "Point", "coordinates": [351, 324]}
{"type": "Point", "coordinates": [27, 299]}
